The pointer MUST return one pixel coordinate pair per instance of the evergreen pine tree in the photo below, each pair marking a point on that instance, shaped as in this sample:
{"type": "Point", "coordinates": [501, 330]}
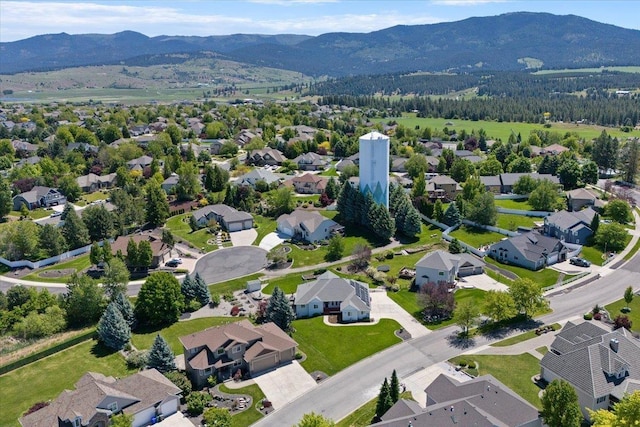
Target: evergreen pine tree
{"type": "Point", "coordinates": [452, 215]}
{"type": "Point", "coordinates": [74, 230]}
{"type": "Point", "coordinates": [400, 213]}
{"type": "Point", "coordinates": [595, 223]}
{"type": "Point", "coordinates": [346, 203]}
{"type": "Point", "coordinates": [455, 247]}
{"type": "Point", "coordinates": [188, 288]}
{"type": "Point", "coordinates": [384, 399]}
{"type": "Point", "coordinates": [412, 222]}
{"type": "Point", "coordinates": [384, 226]}
{"type": "Point", "coordinates": [160, 356]}
{"type": "Point", "coordinates": [279, 311]}
{"type": "Point", "coordinates": [397, 196]}
{"type": "Point", "coordinates": [394, 386]}
{"type": "Point", "coordinates": [125, 308]}
{"type": "Point", "coordinates": [113, 330]}
{"type": "Point", "coordinates": [438, 211]}
{"type": "Point", "coordinates": [201, 290]}
{"type": "Point", "coordinates": [332, 189]}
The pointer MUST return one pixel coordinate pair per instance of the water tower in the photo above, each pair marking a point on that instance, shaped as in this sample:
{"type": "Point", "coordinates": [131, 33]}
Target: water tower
{"type": "Point", "coordinates": [374, 166]}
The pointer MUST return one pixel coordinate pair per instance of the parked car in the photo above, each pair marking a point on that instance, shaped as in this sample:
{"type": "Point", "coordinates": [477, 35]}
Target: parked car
{"type": "Point", "coordinates": [171, 263]}
{"type": "Point", "coordinates": [176, 260]}
{"type": "Point", "coordinates": [580, 262]}
{"type": "Point", "coordinates": [55, 214]}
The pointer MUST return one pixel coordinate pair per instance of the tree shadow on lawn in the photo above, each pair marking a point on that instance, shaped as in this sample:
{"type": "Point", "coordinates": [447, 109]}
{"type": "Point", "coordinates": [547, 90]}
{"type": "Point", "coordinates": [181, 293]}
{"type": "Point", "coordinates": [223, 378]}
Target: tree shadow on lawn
{"type": "Point", "coordinates": [500, 330]}
{"type": "Point", "coordinates": [100, 350]}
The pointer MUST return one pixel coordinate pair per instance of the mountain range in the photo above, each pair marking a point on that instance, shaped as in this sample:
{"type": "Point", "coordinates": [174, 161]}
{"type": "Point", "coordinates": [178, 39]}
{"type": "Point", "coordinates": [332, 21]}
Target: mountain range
{"type": "Point", "coordinates": [512, 41]}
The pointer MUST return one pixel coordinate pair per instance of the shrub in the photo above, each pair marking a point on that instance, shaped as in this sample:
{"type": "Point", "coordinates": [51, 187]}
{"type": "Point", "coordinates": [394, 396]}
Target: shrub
{"type": "Point", "coordinates": [180, 380]}
{"type": "Point", "coordinates": [228, 296]}
{"type": "Point", "coordinates": [193, 305]}
{"type": "Point", "coordinates": [597, 316]}
{"type": "Point", "coordinates": [215, 300]}
{"type": "Point", "coordinates": [235, 310]}
{"type": "Point", "coordinates": [622, 321]}
{"type": "Point", "coordinates": [389, 254]}
{"type": "Point", "coordinates": [588, 316]}
{"type": "Point", "coordinates": [137, 359]}
{"type": "Point", "coordinates": [196, 402]}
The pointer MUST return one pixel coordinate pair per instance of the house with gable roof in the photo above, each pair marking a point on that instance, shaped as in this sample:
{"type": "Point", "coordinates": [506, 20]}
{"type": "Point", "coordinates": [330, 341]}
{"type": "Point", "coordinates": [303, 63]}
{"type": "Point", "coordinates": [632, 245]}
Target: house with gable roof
{"type": "Point", "coordinates": [147, 395]}
{"type": "Point", "coordinates": [309, 226]}
{"type": "Point", "coordinates": [311, 162]}
{"type": "Point", "coordinates": [229, 218]}
{"type": "Point", "coordinates": [481, 402]}
{"type": "Point", "coordinates": [250, 178]}
{"type": "Point", "coordinates": [223, 350]}
{"type": "Point", "coordinates": [330, 294]}
{"type": "Point", "coordinates": [601, 365]}
{"type": "Point", "coordinates": [309, 183]}
{"type": "Point", "coordinates": [570, 227]}
{"type": "Point", "coordinates": [39, 197]}
{"type": "Point", "coordinates": [446, 184]}
{"type": "Point", "coordinates": [580, 198]}
{"type": "Point", "coordinates": [441, 267]}
{"type": "Point", "coordinates": [531, 250]}
{"type": "Point", "coordinates": [266, 156]}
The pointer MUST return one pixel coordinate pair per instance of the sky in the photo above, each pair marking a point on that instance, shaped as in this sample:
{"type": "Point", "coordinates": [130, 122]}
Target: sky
{"type": "Point", "coordinates": [23, 19]}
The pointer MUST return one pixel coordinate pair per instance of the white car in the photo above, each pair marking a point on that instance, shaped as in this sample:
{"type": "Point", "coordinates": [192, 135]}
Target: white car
{"type": "Point", "coordinates": [55, 214]}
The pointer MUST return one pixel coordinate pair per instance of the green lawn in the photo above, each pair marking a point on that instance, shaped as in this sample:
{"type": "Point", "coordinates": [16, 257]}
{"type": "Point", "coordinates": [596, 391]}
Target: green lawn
{"type": "Point", "coordinates": [542, 350]}
{"type": "Point", "coordinates": [179, 225]}
{"type": "Point", "coordinates": [363, 416]}
{"type": "Point", "coordinates": [409, 302]}
{"type": "Point", "coordinates": [512, 222]}
{"type": "Point", "coordinates": [476, 237]}
{"type": "Point", "coordinates": [615, 308]}
{"type": "Point", "coordinates": [36, 213]}
{"type": "Point", "coordinates": [521, 337]}
{"type": "Point", "coordinates": [264, 226]}
{"type": "Point", "coordinates": [232, 285]}
{"type": "Point", "coordinates": [513, 371]}
{"type": "Point", "coordinates": [143, 339]}
{"type": "Point", "coordinates": [48, 377]}
{"type": "Point", "coordinates": [88, 198]}
{"type": "Point", "coordinates": [329, 172]}
{"type": "Point", "coordinates": [319, 342]}
{"type": "Point", "coordinates": [288, 283]}
{"type": "Point", "coordinates": [633, 250]}
{"type": "Point", "coordinates": [522, 205]}
{"type": "Point", "coordinates": [252, 415]}
{"type": "Point", "coordinates": [78, 264]}
{"type": "Point", "coordinates": [593, 254]}
{"type": "Point", "coordinates": [545, 277]}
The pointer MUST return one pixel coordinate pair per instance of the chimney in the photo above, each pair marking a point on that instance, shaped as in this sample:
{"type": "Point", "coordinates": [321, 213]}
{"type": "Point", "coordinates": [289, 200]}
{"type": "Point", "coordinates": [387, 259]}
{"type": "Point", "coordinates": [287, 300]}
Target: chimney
{"type": "Point", "coordinates": [614, 344]}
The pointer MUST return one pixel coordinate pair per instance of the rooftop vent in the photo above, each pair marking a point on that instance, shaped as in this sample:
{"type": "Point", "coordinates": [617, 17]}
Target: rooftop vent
{"type": "Point", "coordinates": [614, 344]}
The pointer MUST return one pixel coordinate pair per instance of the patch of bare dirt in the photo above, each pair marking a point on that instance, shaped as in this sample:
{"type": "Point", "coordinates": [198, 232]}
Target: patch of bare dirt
{"type": "Point", "coordinates": [7, 343]}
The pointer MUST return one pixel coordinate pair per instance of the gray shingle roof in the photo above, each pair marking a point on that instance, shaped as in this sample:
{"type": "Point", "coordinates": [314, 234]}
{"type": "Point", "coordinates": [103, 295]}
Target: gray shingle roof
{"type": "Point", "coordinates": [227, 213]}
{"type": "Point", "coordinates": [329, 287]}
{"type": "Point", "coordinates": [565, 220]}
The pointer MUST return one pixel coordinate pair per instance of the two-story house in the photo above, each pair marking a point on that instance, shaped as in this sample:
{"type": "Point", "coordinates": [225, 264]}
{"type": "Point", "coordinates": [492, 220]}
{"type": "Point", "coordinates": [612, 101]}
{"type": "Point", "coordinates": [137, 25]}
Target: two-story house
{"type": "Point", "coordinates": [311, 162]}
{"type": "Point", "coordinates": [265, 156]}
{"type": "Point", "coordinates": [222, 351]}
{"type": "Point", "coordinates": [447, 184]}
{"type": "Point", "coordinates": [570, 227]}
{"type": "Point", "coordinates": [309, 184]}
{"type": "Point", "coordinates": [39, 197]}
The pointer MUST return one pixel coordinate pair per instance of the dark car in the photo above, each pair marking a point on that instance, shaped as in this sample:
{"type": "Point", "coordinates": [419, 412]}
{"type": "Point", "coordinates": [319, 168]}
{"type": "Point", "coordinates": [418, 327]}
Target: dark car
{"type": "Point", "coordinates": [172, 263]}
{"type": "Point", "coordinates": [580, 262]}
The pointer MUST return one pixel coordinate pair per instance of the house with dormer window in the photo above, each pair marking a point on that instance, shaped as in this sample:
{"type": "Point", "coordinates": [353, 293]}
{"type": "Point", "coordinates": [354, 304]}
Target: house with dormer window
{"type": "Point", "coordinates": [222, 351]}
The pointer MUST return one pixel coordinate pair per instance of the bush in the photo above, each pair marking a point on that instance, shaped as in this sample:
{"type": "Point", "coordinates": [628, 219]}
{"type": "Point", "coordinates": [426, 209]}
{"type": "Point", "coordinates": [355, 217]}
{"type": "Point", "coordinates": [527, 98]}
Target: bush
{"type": "Point", "coordinates": [180, 380]}
{"type": "Point", "coordinates": [389, 254]}
{"type": "Point", "coordinates": [193, 305]}
{"type": "Point", "coordinates": [588, 316]}
{"type": "Point", "coordinates": [597, 316]}
{"type": "Point", "coordinates": [622, 321]}
{"type": "Point", "coordinates": [235, 310]}
{"type": "Point", "coordinates": [228, 296]}
{"type": "Point", "coordinates": [137, 359]}
{"type": "Point", "coordinates": [215, 300]}
{"type": "Point", "coordinates": [196, 402]}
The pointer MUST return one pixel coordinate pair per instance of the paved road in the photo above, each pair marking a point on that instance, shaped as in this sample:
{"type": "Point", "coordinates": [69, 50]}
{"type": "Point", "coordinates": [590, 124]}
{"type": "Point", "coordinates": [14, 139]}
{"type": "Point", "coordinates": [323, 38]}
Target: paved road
{"type": "Point", "coordinates": [344, 392]}
{"type": "Point", "coordinates": [229, 263]}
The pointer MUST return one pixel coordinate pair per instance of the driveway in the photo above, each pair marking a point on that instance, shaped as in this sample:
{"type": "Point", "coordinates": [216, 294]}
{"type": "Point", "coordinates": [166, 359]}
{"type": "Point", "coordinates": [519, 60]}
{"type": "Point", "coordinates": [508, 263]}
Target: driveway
{"type": "Point", "coordinates": [418, 381]}
{"type": "Point", "coordinates": [285, 384]}
{"type": "Point", "coordinates": [243, 237]}
{"type": "Point", "coordinates": [272, 240]}
{"type": "Point", "coordinates": [481, 281]}
{"type": "Point", "coordinates": [383, 307]}
{"type": "Point", "coordinates": [229, 263]}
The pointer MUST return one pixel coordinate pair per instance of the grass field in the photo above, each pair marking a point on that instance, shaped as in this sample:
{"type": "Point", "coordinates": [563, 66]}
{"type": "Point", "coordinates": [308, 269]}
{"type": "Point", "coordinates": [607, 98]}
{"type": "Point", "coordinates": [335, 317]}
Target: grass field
{"type": "Point", "coordinates": [615, 308]}
{"type": "Point", "coordinates": [77, 263]}
{"type": "Point", "coordinates": [544, 277]}
{"type": "Point", "coordinates": [35, 213]}
{"type": "Point", "coordinates": [522, 205]}
{"type": "Point", "coordinates": [264, 226]}
{"type": "Point", "coordinates": [512, 222]}
{"type": "Point", "coordinates": [319, 342]}
{"type": "Point", "coordinates": [143, 339]}
{"type": "Point", "coordinates": [513, 371]}
{"type": "Point", "coordinates": [48, 377]}
{"type": "Point", "coordinates": [542, 350]}
{"type": "Point", "coordinates": [623, 69]}
{"type": "Point", "coordinates": [179, 225]}
{"type": "Point", "coordinates": [232, 285]}
{"type": "Point", "coordinates": [250, 416]}
{"type": "Point", "coordinates": [502, 130]}
{"type": "Point", "coordinates": [88, 198]}
{"type": "Point", "coordinates": [593, 254]}
{"type": "Point", "coordinates": [476, 237]}
{"type": "Point", "coordinates": [363, 416]}
{"type": "Point", "coordinates": [521, 337]}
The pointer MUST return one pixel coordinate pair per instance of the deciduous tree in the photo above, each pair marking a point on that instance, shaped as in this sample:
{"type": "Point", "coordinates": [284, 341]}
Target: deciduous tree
{"type": "Point", "coordinates": [315, 420]}
{"type": "Point", "coordinates": [335, 248]}
{"type": "Point", "coordinates": [74, 230]}
{"type": "Point", "coordinates": [499, 306]}
{"type": "Point", "coordinates": [483, 210]}
{"type": "Point", "coordinates": [115, 278]}
{"type": "Point", "coordinates": [527, 296]}
{"type": "Point", "coordinates": [544, 197]}
{"type": "Point", "coordinates": [619, 211]}
{"type": "Point", "coordinates": [466, 315]}
{"type": "Point", "coordinates": [84, 301]}
{"type": "Point", "coordinates": [626, 413]}
{"type": "Point", "coordinates": [160, 300]}
{"type": "Point", "coordinates": [217, 417]}
{"type": "Point", "coordinates": [628, 296]}
{"type": "Point", "coordinates": [560, 406]}
{"type": "Point", "coordinates": [611, 237]}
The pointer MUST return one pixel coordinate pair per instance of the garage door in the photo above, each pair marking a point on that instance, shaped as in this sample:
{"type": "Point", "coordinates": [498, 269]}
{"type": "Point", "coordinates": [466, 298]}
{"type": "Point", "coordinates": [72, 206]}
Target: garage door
{"type": "Point", "coordinates": [235, 226]}
{"type": "Point", "coordinates": [248, 224]}
{"type": "Point", "coordinates": [264, 363]}
{"type": "Point", "coordinates": [286, 230]}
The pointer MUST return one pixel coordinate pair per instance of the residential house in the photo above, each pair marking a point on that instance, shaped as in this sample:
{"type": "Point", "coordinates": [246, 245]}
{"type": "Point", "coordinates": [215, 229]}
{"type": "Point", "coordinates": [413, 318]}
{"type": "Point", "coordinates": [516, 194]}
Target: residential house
{"type": "Point", "coordinates": [309, 183]}
{"type": "Point", "coordinates": [580, 198]}
{"type": "Point", "coordinates": [147, 395]}
{"type": "Point", "coordinates": [159, 250]}
{"type": "Point", "coordinates": [492, 183]}
{"type": "Point", "coordinates": [398, 164]}
{"type": "Point", "coordinates": [432, 163]}
{"type": "Point", "coordinates": [39, 197]}
{"type": "Point", "coordinates": [441, 267]}
{"type": "Point", "coordinates": [570, 227]}
{"type": "Point", "coordinates": [481, 402]}
{"type": "Point", "coordinates": [240, 346]}
{"type": "Point", "coordinates": [309, 226]}
{"type": "Point", "coordinates": [447, 184]}
{"type": "Point", "coordinates": [170, 182]}
{"type": "Point", "coordinates": [215, 145]}
{"type": "Point", "coordinates": [508, 180]}
{"type": "Point", "coordinates": [229, 218]}
{"type": "Point", "coordinates": [343, 164]}
{"type": "Point", "coordinates": [83, 147]}
{"type": "Point", "coordinates": [330, 294]}
{"type": "Point", "coordinates": [245, 136]}
{"type": "Point", "coordinates": [92, 182]}
{"type": "Point", "coordinates": [138, 130]}
{"type": "Point", "coordinates": [530, 250]}
{"type": "Point", "coordinates": [142, 162]}
{"type": "Point", "coordinates": [554, 149]}
{"type": "Point", "coordinates": [256, 175]}
{"type": "Point", "coordinates": [311, 162]}
{"type": "Point", "coordinates": [23, 148]}
{"type": "Point", "coordinates": [601, 365]}
{"type": "Point", "coordinates": [266, 156]}
{"type": "Point", "coordinates": [33, 160]}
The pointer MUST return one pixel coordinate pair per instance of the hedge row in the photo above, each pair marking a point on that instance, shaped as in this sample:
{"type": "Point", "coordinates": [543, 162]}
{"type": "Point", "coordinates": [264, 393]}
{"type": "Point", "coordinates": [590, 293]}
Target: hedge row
{"type": "Point", "coordinates": [47, 352]}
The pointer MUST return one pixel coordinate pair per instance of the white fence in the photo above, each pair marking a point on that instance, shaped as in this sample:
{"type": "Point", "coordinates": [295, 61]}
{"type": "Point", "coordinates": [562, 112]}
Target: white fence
{"type": "Point", "coordinates": [537, 214]}
{"type": "Point", "coordinates": [44, 262]}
